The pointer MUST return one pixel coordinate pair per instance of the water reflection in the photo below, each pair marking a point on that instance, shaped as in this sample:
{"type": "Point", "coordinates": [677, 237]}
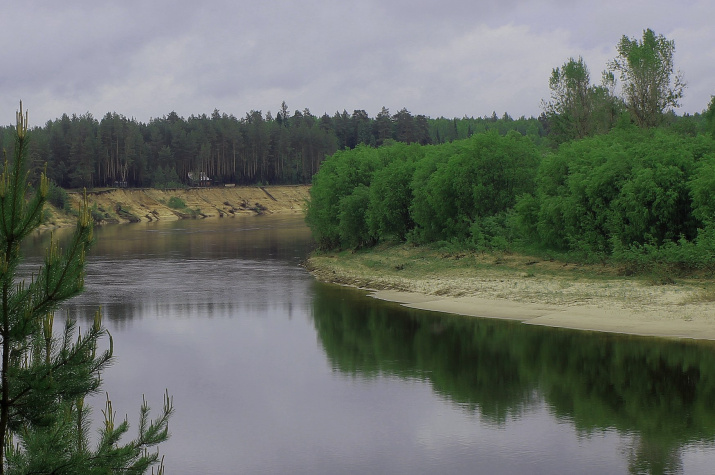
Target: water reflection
{"type": "Point", "coordinates": [660, 393]}
{"type": "Point", "coordinates": [187, 268]}
{"type": "Point", "coordinates": [191, 287]}
{"type": "Point", "coordinates": [256, 237]}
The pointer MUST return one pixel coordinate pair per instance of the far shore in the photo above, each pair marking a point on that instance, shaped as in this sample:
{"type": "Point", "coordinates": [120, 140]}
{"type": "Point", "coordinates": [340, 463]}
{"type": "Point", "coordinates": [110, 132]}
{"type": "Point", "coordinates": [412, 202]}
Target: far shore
{"type": "Point", "coordinates": [682, 309]}
{"type": "Point", "coordinates": [125, 205]}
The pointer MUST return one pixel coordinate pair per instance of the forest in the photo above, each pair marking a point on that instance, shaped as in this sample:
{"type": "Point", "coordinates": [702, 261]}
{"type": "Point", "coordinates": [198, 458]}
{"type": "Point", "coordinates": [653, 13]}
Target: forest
{"type": "Point", "coordinates": [618, 176]}
{"type": "Point", "coordinates": [83, 152]}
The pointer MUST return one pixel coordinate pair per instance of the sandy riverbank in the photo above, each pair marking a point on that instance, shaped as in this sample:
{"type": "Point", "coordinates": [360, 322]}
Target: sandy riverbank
{"type": "Point", "coordinates": [567, 298]}
{"type": "Point", "coordinates": [123, 205]}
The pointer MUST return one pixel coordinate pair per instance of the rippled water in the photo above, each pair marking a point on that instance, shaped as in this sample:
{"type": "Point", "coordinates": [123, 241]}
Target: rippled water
{"type": "Point", "coordinates": [272, 372]}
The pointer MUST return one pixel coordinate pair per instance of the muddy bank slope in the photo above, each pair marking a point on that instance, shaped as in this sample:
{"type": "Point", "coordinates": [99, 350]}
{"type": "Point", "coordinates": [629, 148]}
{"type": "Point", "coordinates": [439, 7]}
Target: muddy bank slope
{"type": "Point", "coordinates": [133, 205]}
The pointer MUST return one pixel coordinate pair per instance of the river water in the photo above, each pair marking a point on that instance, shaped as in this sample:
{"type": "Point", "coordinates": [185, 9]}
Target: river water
{"type": "Point", "coordinates": [272, 372]}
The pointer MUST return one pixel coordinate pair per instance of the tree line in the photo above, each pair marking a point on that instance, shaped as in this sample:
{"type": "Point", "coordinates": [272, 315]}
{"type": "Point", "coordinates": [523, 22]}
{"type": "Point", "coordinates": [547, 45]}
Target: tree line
{"type": "Point", "coordinates": [80, 151]}
{"type": "Point", "coordinates": [620, 177]}
{"type": "Point", "coordinates": [629, 193]}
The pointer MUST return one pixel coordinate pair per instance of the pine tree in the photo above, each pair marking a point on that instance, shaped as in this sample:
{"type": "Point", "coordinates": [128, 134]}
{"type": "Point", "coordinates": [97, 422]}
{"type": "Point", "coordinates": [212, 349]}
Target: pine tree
{"type": "Point", "coordinates": [45, 378]}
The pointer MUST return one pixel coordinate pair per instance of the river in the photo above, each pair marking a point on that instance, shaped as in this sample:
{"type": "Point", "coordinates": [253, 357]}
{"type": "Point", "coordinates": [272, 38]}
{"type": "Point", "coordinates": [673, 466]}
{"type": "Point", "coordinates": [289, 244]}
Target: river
{"type": "Point", "coordinates": [272, 372]}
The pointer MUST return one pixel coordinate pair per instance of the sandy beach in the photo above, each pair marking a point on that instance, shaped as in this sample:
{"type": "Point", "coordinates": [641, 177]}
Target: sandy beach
{"type": "Point", "coordinates": [677, 321]}
{"type": "Point", "coordinates": [682, 309]}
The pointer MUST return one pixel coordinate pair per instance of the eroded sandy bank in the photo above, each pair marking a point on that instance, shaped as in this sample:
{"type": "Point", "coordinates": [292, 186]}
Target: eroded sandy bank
{"type": "Point", "coordinates": [122, 205]}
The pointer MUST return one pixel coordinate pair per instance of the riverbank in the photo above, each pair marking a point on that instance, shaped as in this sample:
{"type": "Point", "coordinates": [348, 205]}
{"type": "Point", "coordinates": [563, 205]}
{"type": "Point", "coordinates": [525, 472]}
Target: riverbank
{"type": "Point", "coordinates": [124, 205]}
{"type": "Point", "coordinates": [512, 287]}
{"type": "Point", "coordinates": [521, 288]}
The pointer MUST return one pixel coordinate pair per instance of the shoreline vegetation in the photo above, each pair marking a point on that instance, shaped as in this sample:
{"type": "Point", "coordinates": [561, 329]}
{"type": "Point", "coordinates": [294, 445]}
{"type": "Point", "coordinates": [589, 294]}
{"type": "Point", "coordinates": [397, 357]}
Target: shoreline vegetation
{"type": "Point", "coordinates": [621, 185]}
{"type": "Point", "coordinates": [526, 289]}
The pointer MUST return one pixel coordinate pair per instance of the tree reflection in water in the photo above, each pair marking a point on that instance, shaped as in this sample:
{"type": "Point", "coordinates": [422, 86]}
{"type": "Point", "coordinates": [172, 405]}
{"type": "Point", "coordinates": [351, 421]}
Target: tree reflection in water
{"type": "Point", "coordinates": [656, 393]}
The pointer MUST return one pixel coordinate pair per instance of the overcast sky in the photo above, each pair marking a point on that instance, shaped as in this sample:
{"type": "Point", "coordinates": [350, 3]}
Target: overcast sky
{"type": "Point", "coordinates": [146, 58]}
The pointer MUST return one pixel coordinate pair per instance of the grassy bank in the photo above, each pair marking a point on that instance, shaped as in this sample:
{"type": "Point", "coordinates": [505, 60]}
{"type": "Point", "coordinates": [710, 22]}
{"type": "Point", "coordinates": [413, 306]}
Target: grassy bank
{"type": "Point", "coordinates": [512, 277]}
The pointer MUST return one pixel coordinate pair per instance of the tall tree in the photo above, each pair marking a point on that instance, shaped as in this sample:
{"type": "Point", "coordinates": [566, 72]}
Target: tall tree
{"type": "Point", "coordinates": [571, 103]}
{"type": "Point", "coordinates": [651, 87]}
{"type": "Point", "coordinates": [710, 116]}
{"type": "Point", "coordinates": [383, 126]}
{"type": "Point", "coordinates": [361, 128]}
{"type": "Point", "coordinates": [404, 126]}
{"type": "Point", "coordinates": [577, 108]}
{"type": "Point", "coordinates": [422, 129]}
{"type": "Point", "coordinates": [282, 116]}
{"type": "Point", "coordinates": [44, 379]}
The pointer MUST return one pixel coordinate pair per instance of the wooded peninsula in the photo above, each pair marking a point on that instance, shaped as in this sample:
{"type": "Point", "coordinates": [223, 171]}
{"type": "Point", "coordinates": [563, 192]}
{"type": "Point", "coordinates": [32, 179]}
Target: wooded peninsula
{"type": "Point", "coordinates": [618, 178]}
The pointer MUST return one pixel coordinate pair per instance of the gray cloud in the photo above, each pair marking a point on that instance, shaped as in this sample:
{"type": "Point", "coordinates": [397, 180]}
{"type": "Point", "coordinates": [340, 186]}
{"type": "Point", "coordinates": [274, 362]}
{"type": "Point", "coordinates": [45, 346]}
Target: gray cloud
{"type": "Point", "coordinates": [450, 58]}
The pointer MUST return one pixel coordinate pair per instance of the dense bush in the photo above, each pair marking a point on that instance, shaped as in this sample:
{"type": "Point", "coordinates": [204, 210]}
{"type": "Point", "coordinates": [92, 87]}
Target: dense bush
{"type": "Point", "coordinates": [367, 195]}
{"type": "Point", "coordinates": [58, 197]}
{"type": "Point", "coordinates": [634, 195]}
{"type": "Point", "coordinates": [702, 190]}
{"type": "Point", "coordinates": [337, 179]}
{"type": "Point", "coordinates": [391, 194]}
{"type": "Point", "coordinates": [632, 188]}
{"type": "Point", "coordinates": [480, 179]}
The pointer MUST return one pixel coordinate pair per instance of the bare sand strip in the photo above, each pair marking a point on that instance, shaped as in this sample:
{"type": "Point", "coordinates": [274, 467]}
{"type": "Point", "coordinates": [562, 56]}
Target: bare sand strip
{"type": "Point", "coordinates": [693, 321]}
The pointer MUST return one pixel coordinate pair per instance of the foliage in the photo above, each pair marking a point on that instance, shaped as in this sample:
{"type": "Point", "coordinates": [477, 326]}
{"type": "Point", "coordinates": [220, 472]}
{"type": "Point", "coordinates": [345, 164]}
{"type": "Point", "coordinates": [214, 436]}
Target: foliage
{"type": "Point", "coordinates": [481, 178]}
{"type": "Point", "coordinates": [96, 214]}
{"type": "Point", "coordinates": [352, 226]}
{"type": "Point", "coordinates": [702, 184]}
{"type": "Point", "coordinates": [632, 195]}
{"type": "Point", "coordinates": [176, 203]}
{"type": "Point", "coordinates": [428, 193]}
{"type": "Point", "coordinates": [163, 179]}
{"type": "Point", "coordinates": [650, 85]}
{"type": "Point", "coordinates": [710, 116]}
{"type": "Point", "coordinates": [58, 197]}
{"type": "Point", "coordinates": [337, 179]}
{"type": "Point", "coordinates": [578, 109]}
{"type": "Point", "coordinates": [630, 189]}
{"type": "Point", "coordinates": [45, 378]}
{"type": "Point", "coordinates": [388, 214]}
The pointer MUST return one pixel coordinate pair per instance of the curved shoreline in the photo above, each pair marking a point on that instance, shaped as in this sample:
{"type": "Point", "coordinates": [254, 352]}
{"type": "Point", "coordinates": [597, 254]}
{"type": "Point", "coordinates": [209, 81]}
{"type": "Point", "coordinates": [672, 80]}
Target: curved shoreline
{"type": "Point", "coordinates": [616, 320]}
{"type": "Point", "coordinates": [614, 305]}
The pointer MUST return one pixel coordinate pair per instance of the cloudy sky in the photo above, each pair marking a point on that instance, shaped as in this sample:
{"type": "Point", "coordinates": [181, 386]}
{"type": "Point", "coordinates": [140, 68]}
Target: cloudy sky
{"type": "Point", "coordinates": [146, 58]}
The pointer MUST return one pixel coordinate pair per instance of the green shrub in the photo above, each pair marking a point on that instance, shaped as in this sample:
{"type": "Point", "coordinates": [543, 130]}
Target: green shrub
{"type": "Point", "coordinates": [628, 191]}
{"type": "Point", "coordinates": [176, 203]}
{"type": "Point", "coordinates": [481, 178]}
{"type": "Point", "coordinates": [58, 197]}
{"type": "Point", "coordinates": [97, 215]}
{"type": "Point", "coordinates": [353, 229]}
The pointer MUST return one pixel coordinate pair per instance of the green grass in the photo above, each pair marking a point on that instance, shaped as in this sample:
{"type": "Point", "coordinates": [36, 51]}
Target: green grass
{"type": "Point", "coordinates": [411, 261]}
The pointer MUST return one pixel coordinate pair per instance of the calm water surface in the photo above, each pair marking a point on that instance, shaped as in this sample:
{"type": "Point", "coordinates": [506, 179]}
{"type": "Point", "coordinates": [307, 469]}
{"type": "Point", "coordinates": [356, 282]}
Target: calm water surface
{"type": "Point", "coordinates": [272, 372]}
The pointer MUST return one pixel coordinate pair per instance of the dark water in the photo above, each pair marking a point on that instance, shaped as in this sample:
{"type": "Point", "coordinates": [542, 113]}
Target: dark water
{"type": "Point", "coordinates": [272, 372]}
